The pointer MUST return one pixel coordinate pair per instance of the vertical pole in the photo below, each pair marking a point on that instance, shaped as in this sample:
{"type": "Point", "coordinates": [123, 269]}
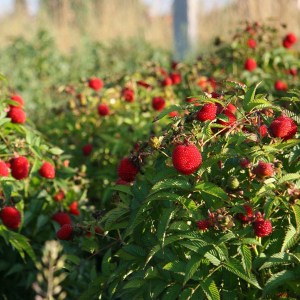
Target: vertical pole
{"type": "Point", "coordinates": [180, 21]}
{"type": "Point", "coordinates": [185, 26]}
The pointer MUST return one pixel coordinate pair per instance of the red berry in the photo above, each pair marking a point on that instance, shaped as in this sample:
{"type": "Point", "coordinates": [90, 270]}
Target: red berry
{"type": "Point", "coordinates": [20, 167]}
{"type": "Point", "coordinates": [263, 130]}
{"type": "Point", "coordinates": [203, 224]}
{"type": "Point", "coordinates": [292, 71]}
{"type": "Point", "coordinates": [186, 159]}
{"type": "Point", "coordinates": [231, 118]}
{"type": "Point", "coordinates": [291, 38]}
{"type": "Point", "coordinates": [286, 43]}
{"type": "Point", "coordinates": [230, 107]}
{"type": "Point", "coordinates": [263, 169]}
{"type": "Point", "coordinates": [95, 83]}
{"type": "Point", "coordinates": [167, 81]}
{"type": "Point", "coordinates": [262, 227]}
{"type": "Point", "coordinates": [283, 127]}
{"type": "Point", "coordinates": [127, 171]}
{"type": "Point", "coordinates": [176, 78]}
{"type": "Point", "coordinates": [103, 109]}
{"type": "Point", "coordinates": [73, 208]}
{"type": "Point", "coordinates": [65, 233]}
{"type": "Point", "coordinates": [11, 217]}
{"type": "Point", "coordinates": [47, 170]}
{"type": "Point", "coordinates": [87, 149]}
{"type": "Point", "coordinates": [59, 196]}
{"type": "Point", "coordinates": [207, 112]}
{"type": "Point", "coordinates": [4, 172]}
{"type": "Point", "coordinates": [61, 218]}
{"type": "Point", "coordinates": [158, 103]}
{"type": "Point", "coordinates": [280, 85]}
{"type": "Point", "coordinates": [18, 99]}
{"type": "Point", "coordinates": [173, 114]}
{"type": "Point", "coordinates": [251, 43]}
{"type": "Point", "coordinates": [128, 94]}
{"type": "Point", "coordinates": [244, 162]}
{"type": "Point", "coordinates": [17, 115]}
{"type": "Point", "coordinates": [250, 64]}
{"type": "Point", "coordinates": [122, 182]}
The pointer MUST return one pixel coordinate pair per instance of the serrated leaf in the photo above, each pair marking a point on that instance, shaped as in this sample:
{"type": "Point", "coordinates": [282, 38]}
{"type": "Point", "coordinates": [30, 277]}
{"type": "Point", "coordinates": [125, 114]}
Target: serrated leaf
{"type": "Point", "coordinates": [191, 267]}
{"type": "Point", "coordinates": [277, 259]}
{"type": "Point", "coordinates": [209, 189]}
{"type": "Point", "coordinates": [174, 184]}
{"type": "Point", "coordinates": [234, 267]}
{"type": "Point", "coordinates": [167, 111]}
{"type": "Point", "coordinates": [296, 210]}
{"type": "Point", "coordinates": [249, 96]}
{"type": "Point", "coordinates": [210, 289]}
{"type": "Point", "coordinates": [246, 258]}
{"type": "Point", "coordinates": [290, 238]}
{"type": "Point", "coordinates": [172, 292]}
{"type": "Point", "coordinates": [288, 177]}
{"type": "Point", "coordinates": [164, 220]}
{"type": "Point", "coordinates": [277, 280]}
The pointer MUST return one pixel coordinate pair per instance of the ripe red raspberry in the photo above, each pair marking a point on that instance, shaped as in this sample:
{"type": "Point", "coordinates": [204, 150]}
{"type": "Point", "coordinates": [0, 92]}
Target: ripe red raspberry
{"type": "Point", "coordinates": [127, 170]}
{"type": "Point", "coordinates": [262, 227]}
{"type": "Point", "coordinates": [248, 217]}
{"type": "Point", "coordinates": [291, 38]}
{"type": "Point", "coordinates": [128, 94]}
{"type": "Point", "coordinates": [4, 172]}
{"type": "Point", "coordinates": [59, 196]}
{"type": "Point", "coordinates": [65, 233]}
{"type": "Point", "coordinates": [47, 170]}
{"type": "Point", "coordinates": [250, 64]}
{"type": "Point", "coordinates": [230, 107]}
{"type": "Point", "coordinates": [263, 169]}
{"type": "Point", "coordinates": [244, 162]}
{"type": "Point", "coordinates": [263, 130]}
{"type": "Point", "coordinates": [122, 182]}
{"type": "Point", "coordinates": [17, 115]}
{"type": "Point", "coordinates": [166, 81]}
{"type": "Point", "coordinates": [203, 225]}
{"type": "Point", "coordinates": [61, 218]}
{"type": "Point", "coordinates": [87, 149]}
{"type": "Point", "coordinates": [11, 217]}
{"type": "Point", "coordinates": [186, 159]}
{"type": "Point", "coordinates": [158, 103]}
{"type": "Point", "coordinates": [96, 83]}
{"type": "Point", "coordinates": [20, 167]}
{"type": "Point", "coordinates": [173, 114]}
{"type": "Point", "coordinates": [103, 109]}
{"type": "Point", "coordinates": [18, 99]}
{"type": "Point", "coordinates": [280, 85]}
{"type": "Point", "coordinates": [251, 43]}
{"type": "Point", "coordinates": [73, 208]}
{"type": "Point", "coordinates": [292, 71]}
{"type": "Point", "coordinates": [286, 43]}
{"type": "Point", "coordinates": [207, 112]}
{"type": "Point", "coordinates": [231, 118]}
{"type": "Point", "coordinates": [176, 78]}
{"type": "Point", "coordinates": [283, 127]}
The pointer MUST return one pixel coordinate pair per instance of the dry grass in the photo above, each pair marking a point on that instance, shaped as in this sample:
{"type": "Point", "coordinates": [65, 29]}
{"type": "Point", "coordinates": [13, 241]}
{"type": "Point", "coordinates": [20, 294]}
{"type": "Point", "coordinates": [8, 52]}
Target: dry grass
{"type": "Point", "coordinates": [123, 19]}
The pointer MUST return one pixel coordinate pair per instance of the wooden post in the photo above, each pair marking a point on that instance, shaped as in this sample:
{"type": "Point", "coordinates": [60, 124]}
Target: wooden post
{"type": "Point", "coordinates": [185, 27]}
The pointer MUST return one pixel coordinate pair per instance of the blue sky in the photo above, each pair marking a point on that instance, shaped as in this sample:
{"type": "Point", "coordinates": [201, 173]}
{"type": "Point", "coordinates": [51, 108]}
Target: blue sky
{"type": "Point", "coordinates": [156, 6]}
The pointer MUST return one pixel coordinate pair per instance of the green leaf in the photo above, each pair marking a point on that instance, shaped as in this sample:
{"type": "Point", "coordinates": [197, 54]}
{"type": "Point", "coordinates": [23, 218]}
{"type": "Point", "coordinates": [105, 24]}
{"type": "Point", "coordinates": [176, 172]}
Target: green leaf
{"type": "Point", "coordinates": [290, 238]}
{"type": "Point", "coordinates": [173, 184]}
{"type": "Point", "coordinates": [210, 289]}
{"type": "Point", "coordinates": [56, 151]}
{"type": "Point", "coordinates": [246, 258]}
{"type": "Point", "coordinates": [296, 210]}
{"type": "Point", "coordinates": [278, 259]}
{"type": "Point", "coordinates": [278, 279]}
{"type": "Point", "coordinates": [288, 177]}
{"type": "Point", "coordinates": [210, 192]}
{"type": "Point", "coordinates": [164, 221]}
{"type": "Point", "coordinates": [191, 267]}
{"type": "Point", "coordinates": [176, 266]}
{"type": "Point", "coordinates": [172, 292]}
{"type": "Point", "coordinates": [249, 96]}
{"type": "Point", "coordinates": [234, 267]}
{"type": "Point", "coordinates": [134, 284]}
{"type": "Point", "coordinates": [167, 111]}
